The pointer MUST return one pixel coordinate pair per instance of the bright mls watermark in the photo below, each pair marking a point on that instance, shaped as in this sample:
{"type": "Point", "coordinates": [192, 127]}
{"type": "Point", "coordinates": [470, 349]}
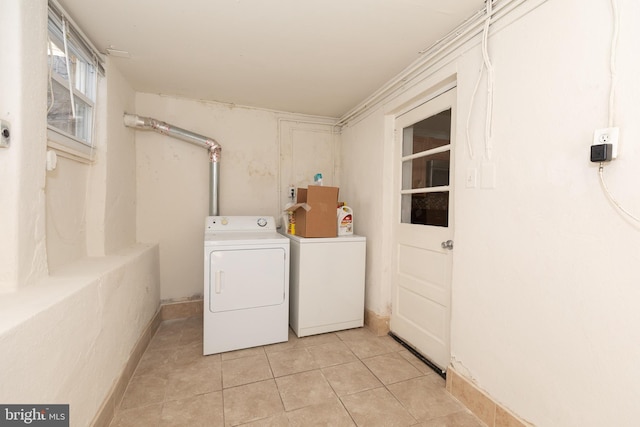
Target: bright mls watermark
{"type": "Point", "coordinates": [34, 415]}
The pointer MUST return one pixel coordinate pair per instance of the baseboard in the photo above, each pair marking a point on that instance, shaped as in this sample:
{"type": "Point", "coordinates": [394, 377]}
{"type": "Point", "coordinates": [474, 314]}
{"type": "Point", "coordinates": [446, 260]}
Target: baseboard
{"type": "Point", "coordinates": [377, 324]}
{"type": "Point", "coordinates": [480, 403]}
{"type": "Point", "coordinates": [107, 410]}
{"type": "Point", "coordinates": [181, 310]}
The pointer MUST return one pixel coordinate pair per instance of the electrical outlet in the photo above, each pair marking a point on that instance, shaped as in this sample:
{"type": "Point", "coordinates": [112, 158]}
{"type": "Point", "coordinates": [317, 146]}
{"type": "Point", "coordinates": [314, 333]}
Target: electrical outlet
{"type": "Point", "coordinates": [607, 136]}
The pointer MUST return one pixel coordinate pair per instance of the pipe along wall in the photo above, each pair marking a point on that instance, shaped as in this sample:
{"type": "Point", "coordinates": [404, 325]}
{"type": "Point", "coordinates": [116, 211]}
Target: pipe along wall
{"type": "Point", "coordinates": [214, 148]}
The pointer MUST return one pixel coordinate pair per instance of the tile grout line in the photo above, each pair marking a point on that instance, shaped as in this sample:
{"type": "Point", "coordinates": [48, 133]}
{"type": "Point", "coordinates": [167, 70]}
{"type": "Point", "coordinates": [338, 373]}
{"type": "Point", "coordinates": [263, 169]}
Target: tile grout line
{"type": "Point", "coordinates": [389, 350]}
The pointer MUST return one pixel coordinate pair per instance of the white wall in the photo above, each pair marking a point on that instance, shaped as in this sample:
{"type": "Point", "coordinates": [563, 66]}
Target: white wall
{"type": "Point", "coordinates": [66, 190]}
{"type": "Point", "coordinates": [365, 181]}
{"type": "Point", "coordinates": [545, 277]}
{"type": "Point", "coordinates": [120, 197]}
{"type": "Point", "coordinates": [23, 36]}
{"type": "Point", "coordinates": [66, 332]}
{"type": "Point", "coordinates": [173, 177]}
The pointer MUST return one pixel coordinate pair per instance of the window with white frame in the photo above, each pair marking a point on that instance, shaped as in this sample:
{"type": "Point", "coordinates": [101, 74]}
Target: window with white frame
{"type": "Point", "coordinates": [73, 79]}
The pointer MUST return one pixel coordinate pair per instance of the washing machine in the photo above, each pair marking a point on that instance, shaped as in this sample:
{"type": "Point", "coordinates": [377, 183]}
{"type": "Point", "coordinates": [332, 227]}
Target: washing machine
{"type": "Point", "coordinates": [246, 283]}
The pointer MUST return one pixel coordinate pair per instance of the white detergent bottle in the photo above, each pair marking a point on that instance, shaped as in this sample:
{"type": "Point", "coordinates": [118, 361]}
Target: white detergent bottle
{"type": "Point", "coordinates": [345, 221]}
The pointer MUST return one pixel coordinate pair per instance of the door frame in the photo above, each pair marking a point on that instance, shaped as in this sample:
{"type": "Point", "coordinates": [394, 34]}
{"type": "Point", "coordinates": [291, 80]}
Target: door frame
{"type": "Point", "coordinates": [395, 197]}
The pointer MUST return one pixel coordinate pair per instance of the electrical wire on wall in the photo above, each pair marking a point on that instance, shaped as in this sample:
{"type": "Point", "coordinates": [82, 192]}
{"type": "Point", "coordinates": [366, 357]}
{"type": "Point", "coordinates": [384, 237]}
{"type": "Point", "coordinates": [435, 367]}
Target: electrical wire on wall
{"type": "Point", "coordinates": [612, 61]}
{"type": "Point", "coordinates": [486, 63]}
{"type": "Point", "coordinates": [611, 198]}
{"type": "Point", "coordinates": [613, 71]}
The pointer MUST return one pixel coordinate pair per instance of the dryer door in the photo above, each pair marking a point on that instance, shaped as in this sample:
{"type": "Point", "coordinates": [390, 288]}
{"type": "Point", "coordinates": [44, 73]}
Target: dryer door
{"type": "Point", "coordinates": [246, 278]}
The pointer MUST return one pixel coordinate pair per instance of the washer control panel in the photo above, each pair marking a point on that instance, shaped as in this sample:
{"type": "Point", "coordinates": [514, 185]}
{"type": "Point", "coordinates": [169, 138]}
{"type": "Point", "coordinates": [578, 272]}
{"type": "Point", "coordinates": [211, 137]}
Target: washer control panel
{"type": "Point", "coordinates": [239, 223]}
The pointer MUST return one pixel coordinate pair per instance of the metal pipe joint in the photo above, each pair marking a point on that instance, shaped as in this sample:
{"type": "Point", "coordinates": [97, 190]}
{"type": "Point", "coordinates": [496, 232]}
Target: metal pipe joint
{"type": "Point", "coordinates": [148, 123]}
{"type": "Point", "coordinates": [214, 148]}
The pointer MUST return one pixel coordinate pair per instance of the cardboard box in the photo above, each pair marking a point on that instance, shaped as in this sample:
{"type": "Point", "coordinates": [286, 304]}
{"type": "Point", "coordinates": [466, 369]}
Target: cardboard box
{"type": "Point", "coordinates": [315, 211]}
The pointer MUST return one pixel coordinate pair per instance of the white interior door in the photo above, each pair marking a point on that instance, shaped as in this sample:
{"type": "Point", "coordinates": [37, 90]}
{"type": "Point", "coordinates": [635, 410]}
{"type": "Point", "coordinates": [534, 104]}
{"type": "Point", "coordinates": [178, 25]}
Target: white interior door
{"type": "Point", "coordinates": [424, 227]}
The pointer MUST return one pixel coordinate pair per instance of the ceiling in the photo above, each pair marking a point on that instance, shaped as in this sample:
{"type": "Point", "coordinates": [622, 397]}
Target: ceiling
{"type": "Point", "coordinates": [317, 57]}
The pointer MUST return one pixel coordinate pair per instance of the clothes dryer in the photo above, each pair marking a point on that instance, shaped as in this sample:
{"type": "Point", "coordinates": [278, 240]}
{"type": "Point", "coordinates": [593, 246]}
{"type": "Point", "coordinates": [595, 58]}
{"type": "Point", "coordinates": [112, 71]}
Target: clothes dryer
{"type": "Point", "coordinates": [246, 283]}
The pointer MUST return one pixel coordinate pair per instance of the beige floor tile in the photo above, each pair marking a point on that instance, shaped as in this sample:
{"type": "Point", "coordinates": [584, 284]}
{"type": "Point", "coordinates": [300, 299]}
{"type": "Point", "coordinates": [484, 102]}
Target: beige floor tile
{"type": "Point", "coordinates": [204, 410]}
{"type": "Point", "coordinates": [333, 353]}
{"type": "Point", "coordinates": [377, 407]}
{"type": "Point", "coordinates": [192, 380]}
{"type": "Point", "coordinates": [280, 420]}
{"type": "Point", "coordinates": [193, 322]}
{"type": "Point", "coordinates": [391, 368]}
{"type": "Point", "coordinates": [392, 344]}
{"type": "Point", "coordinates": [245, 370]}
{"type": "Point", "coordinates": [293, 342]}
{"type": "Point", "coordinates": [191, 335]}
{"type": "Point", "coordinates": [156, 362]}
{"type": "Point", "coordinates": [174, 384]}
{"type": "Point", "coordinates": [330, 413]}
{"type": "Point", "coordinates": [313, 340]}
{"type": "Point", "coordinates": [148, 416]}
{"type": "Point", "coordinates": [368, 346]}
{"type": "Point", "coordinates": [205, 362]}
{"type": "Point", "coordinates": [251, 402]}
{"type": "Point", "coordinates": [247, 352]}
{"type": "Point", "coordinates": [458, 419]}
{"type": "Point", "coordinates": [355, 334]}
{"type": "Point", "coordinates": [291, 362]}
{"type": "Point", "coordinates": [416, 363]}
{"type": "Point", "coordinates": [425, 397]}
{"type": "Point", "coordinates": [174, 329]}
{"type": "Point", "coordinates": [172, 325]}
{"type": "Point", "coordinates": [190, 354]}
{"type": "Point", "coordinates": [350, 378]}
{"type": "Point", "coordinates": [143, 391]}
{"type": "Point", "coordinates": [304, 389]}
{"type": "Point", "coordinates": [166, 338]}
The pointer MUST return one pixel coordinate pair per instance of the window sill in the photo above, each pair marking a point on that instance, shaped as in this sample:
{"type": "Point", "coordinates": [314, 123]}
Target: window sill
{"type": "Point", "coordinates": [69, 148]}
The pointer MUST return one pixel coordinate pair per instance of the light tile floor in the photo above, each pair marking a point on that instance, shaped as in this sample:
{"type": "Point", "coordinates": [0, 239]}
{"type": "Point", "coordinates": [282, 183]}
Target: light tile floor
{"type": "Point", "coordinates": [346, 378]}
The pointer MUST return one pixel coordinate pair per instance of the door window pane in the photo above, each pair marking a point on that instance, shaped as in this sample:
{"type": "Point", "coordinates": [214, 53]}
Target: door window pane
{"type": "Point", "coordinates": [430, 133]}
{"type": "Point", "coordinates": [426, 208]}
{"type": "Point", "coordinates": [426, 172]}
{"type": "Point", "coordinates": [426, 164]}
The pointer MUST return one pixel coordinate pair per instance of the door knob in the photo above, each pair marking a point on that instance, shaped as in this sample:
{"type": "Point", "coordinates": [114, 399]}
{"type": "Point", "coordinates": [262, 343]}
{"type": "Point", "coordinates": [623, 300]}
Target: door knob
{"type": "Point", "coordinates": [447, 245]}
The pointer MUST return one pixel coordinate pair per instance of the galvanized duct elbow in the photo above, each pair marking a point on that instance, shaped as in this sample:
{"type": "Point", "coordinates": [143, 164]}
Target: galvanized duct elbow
{"type": "Point", "coordinates": [214, 148]}
{"type": "Point", "coordinates": [147, 123]}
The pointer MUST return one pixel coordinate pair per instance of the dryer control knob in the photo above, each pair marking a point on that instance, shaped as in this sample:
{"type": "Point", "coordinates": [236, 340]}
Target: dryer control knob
{"type": "Point", "coordinates": [262, 222]}
{"type": "Point", "coordinates": [225, 221]}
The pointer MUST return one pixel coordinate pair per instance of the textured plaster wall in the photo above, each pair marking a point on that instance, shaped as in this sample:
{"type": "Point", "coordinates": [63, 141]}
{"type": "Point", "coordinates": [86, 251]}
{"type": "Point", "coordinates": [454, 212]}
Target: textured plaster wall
{"type": "Point", "coordinates": [120, 200]}
{"type": "Point", "coordinates": [364, 180]}
{"type": "Point", "coordinates": [66, 339]}
{"type": "Point", "coordinates": [66, 198]}
{"type": "Point", "coordinates": [23, 36]}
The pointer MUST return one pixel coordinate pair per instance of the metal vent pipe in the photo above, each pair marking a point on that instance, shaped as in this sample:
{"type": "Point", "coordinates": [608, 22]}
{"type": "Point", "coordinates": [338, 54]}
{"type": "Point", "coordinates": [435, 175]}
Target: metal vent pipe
{"type": "Point", "coordinates": [214, 148]}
